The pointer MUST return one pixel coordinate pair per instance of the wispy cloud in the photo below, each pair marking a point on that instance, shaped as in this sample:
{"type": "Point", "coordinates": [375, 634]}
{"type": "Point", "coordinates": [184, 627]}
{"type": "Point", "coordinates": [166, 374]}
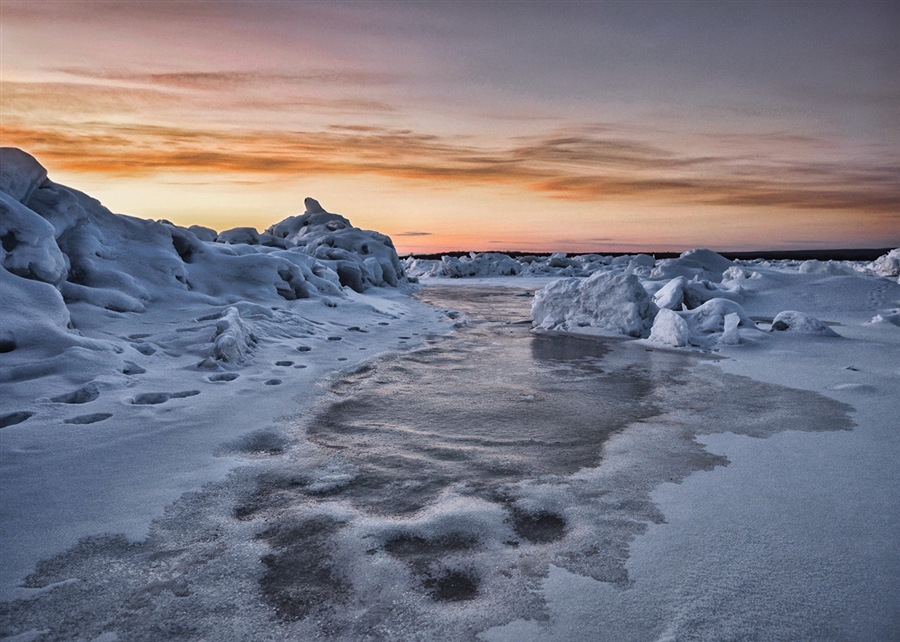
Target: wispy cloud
{"type": "Point", "coordinates": [593, 167]}
{"type": "Point", "coordinates": [218, 80]}
{"type": "Point", "coordinates": [412, 234]}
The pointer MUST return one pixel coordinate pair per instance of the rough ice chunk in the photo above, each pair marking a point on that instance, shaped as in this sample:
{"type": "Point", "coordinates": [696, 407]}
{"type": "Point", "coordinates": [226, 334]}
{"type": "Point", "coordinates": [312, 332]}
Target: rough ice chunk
{"type": "Point", "coordinates": [606, 301]}
{"type": "Point", "coordinates": [887, 264]}
{"type": "Point", "coordinates": [234, 340]}
{"type": "Point", "coordinates": [670, 329]}
{"type": "Point", "coordinates": [331, 238]}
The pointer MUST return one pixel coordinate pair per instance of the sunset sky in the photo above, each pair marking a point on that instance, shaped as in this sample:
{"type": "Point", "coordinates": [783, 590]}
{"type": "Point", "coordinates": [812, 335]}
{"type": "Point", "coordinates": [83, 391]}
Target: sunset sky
{"type": "Point", "coordinates": [585, 126]}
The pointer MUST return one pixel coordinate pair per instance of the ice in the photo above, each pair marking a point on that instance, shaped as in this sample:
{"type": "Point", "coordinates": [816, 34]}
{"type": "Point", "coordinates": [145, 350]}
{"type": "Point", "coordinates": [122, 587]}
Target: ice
{"type": "Point", "coordinates": [887, 264]}
{"type": "Point", "coordinates": [360, 258]}
{"type": "Point", "coordinates": [700, 263]}
{"type": "Point", "coordinates": [605, 301]}
{"type": "Point", "coordinates": [173, 461]}
{"type": "Point", "coordinates": [670, 328]}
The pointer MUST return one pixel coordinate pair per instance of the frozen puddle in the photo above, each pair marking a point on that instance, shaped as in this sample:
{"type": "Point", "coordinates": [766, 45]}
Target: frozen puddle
{"type": "Point", "coordinates": [426, 497]}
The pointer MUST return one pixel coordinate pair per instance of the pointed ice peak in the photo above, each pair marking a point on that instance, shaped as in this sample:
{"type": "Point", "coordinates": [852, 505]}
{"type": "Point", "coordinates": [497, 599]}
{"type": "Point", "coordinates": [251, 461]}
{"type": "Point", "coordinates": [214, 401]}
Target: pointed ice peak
{"type": "Point", "coordinates": [312, 206]}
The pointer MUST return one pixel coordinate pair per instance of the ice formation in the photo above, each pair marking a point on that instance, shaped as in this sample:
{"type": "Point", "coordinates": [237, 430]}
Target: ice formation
{"type": "Point", "coordinates": [360, 258]}
{"type": "Point", "coordinates": [604, 301]}
{"type": "Point", "coordinates": [61, 247]}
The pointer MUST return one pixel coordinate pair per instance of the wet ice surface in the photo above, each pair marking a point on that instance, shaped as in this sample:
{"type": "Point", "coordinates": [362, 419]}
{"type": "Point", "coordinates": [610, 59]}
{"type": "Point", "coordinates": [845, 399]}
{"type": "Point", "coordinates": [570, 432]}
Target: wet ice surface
{"type": "Point", "coordinates": [427, 496]}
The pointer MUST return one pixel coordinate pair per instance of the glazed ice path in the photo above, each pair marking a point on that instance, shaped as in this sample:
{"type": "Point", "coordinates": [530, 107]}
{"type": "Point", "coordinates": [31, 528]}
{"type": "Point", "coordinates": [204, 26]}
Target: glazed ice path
{"type": "Point", "coordinates": [490, 478]}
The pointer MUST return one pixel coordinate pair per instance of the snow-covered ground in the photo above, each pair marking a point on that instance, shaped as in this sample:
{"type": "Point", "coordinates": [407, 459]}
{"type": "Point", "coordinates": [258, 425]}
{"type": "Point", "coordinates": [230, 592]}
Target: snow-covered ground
{"type": "Point", "coordinates": [292, 445]}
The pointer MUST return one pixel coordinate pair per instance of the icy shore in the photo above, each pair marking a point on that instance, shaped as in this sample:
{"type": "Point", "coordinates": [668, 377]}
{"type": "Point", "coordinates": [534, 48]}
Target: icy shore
{"type": "Point", "coordinates": [150, 375]}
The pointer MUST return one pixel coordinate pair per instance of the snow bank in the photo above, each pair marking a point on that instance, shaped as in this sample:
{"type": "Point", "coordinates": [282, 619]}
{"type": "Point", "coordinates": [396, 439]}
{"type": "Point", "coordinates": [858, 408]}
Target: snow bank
{"type": "Point", "coordinates": [605, 301]}
{"type": "Point", "coordinates": [84, 254]}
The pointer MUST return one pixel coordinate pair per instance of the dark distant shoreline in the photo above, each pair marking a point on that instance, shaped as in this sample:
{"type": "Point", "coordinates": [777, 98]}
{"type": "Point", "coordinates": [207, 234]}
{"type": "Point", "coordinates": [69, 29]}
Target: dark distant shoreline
{"type": "Point", "coordinates": [869, 254]}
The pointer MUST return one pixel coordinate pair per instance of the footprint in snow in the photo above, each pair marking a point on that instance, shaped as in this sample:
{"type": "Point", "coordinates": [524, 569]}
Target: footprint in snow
{"type": "Point", "coordinates": [82, 395]}
{"type": "Point", "coordinates": [284, 364]}
{"type": "Point", "coordinates": [273, 382]}
{"type": "Point", "coordinates": [335, 338]}
{"type": "Point", "coordinates": [132, 368]}
{"type": "Point", "coordinates": [303, 348]}
{"type": "Point", "coordinates": [14, 418]}
{"type": "Point", "coordinates": [144, 348]}
{"type": "Point", "coordinates": [225, 376]}
{"type": "Point", "coordinates": [153, 398]}
{"type": "Point", "coordinates": [89, 419]}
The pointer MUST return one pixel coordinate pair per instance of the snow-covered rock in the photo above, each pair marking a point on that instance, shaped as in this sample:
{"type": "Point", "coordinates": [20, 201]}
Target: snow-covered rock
{"type": "Point", "coordinates": [792, 321]}
{"type": "Point", "coordinates": [605, 301]}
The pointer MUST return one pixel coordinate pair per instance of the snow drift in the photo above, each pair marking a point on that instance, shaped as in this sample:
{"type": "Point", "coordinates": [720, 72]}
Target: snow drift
{"type": "Point", "coordinates": [61, 248]}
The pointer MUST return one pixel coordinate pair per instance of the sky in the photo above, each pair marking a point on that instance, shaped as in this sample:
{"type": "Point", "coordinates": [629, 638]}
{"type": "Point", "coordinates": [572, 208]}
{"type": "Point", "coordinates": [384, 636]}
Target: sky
{"type": "Point", "coordinates": [533, 126]}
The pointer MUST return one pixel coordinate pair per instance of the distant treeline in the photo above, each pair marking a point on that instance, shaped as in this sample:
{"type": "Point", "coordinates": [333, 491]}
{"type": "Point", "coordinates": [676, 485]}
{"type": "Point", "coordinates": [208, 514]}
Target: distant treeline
{"type": "Point", "coordinates": [772, 255]}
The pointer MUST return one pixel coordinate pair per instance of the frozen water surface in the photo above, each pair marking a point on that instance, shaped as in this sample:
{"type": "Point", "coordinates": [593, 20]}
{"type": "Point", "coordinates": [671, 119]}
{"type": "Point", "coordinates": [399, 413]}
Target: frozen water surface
{"type": "Point", "coordinates": [429, 495]}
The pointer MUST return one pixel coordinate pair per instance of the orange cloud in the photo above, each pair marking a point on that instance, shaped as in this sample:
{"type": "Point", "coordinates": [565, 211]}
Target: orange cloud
{"type": "Point", "coordinates": [593, 167]}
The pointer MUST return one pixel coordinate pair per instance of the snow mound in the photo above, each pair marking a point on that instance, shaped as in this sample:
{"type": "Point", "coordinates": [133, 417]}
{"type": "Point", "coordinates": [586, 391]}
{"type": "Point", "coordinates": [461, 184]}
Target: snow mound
{"type": "Point", "coordinates": [605, 301]}
{"type": "Point", "coordinates": [715, 322]}
{"type": "Point", "coordinates": [887, 264]}
{"type": "Point", "coordinates": [791, 321]}
{"type": "Point", "coordinates": [361, 258]}
{"type": "Point", "coordinates": [700, 263]}
{"type": "Point", "coordinates": [735, 273]}
{"type": "Point", "coordinates": [837, 268]}
{"type": "Point", "coordinates": [29, 248]}
{"type": "Point", "coordinates": [62, 248]}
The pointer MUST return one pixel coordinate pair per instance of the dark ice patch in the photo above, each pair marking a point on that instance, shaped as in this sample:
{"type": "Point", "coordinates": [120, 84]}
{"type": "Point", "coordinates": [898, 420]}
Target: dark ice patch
{"type": "Point", "coordinates": [539, 528]}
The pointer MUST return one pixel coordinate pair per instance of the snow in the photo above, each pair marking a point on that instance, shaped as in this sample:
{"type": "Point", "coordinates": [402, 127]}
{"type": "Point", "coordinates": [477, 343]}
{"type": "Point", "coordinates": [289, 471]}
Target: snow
{"type": "Point", "coordinates": [162, 395]}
